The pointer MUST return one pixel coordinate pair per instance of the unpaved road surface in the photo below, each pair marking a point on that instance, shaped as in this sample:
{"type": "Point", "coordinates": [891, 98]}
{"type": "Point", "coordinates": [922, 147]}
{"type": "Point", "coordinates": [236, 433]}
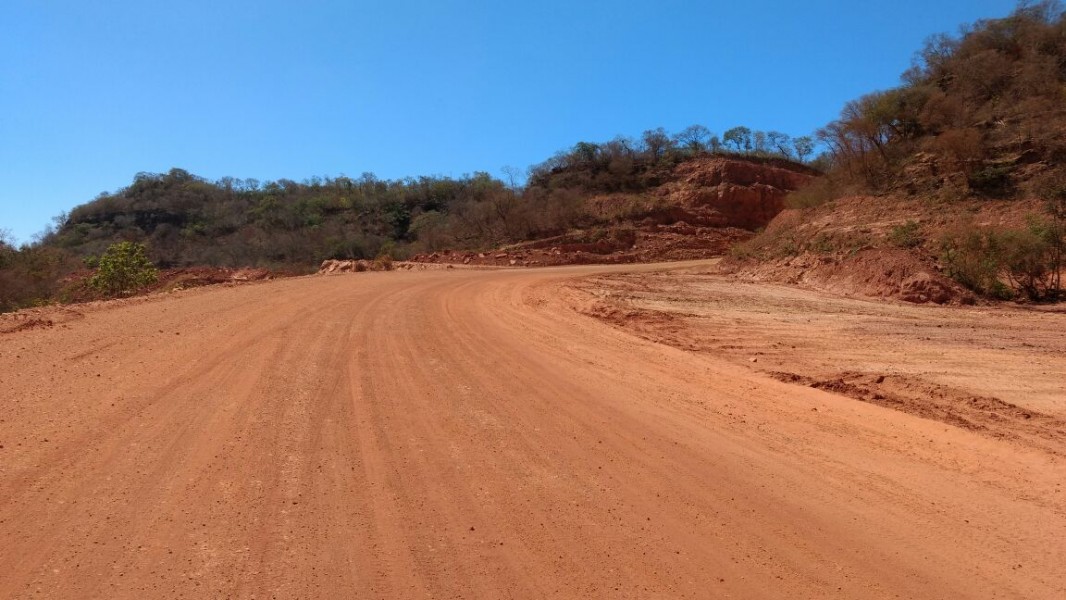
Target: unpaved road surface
{"type": "Point", "coordinates": [478, 434]}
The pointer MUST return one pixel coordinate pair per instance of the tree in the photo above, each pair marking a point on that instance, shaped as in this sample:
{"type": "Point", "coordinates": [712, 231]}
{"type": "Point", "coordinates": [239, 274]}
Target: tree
{"type": "Point", "coordinates": [586, 153]}
{"type": "Point", "coordinates": [514, 177]}
{"type": "Point", "coordinates": [804, 147]}
{"type": "Point", "coordinates": [1056, 208]}
{"type": "Point", "coordinates": [621, 146]}
{"type": "Point", "coordinates": [656, 142]}
{"type": "Point", "coordinates": [739, 137]}
{"type": "Point", "coordinates": [1042, 11]}
{"type": "Point", "coordinates": [124, 268]}
{"type": "Point", "coordinates": [760, 142]}
{"type": "Point", "coordinates": [780, 143]}
{"type": "Point", "coordinates": [7, 247]}
{"type": "Point", "coordinates": [694, 137]}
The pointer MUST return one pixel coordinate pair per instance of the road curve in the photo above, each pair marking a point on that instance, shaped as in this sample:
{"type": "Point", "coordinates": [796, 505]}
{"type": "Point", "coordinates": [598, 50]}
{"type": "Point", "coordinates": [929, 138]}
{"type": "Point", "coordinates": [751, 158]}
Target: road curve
{"type": "Point", "coordinates": [469, 434]}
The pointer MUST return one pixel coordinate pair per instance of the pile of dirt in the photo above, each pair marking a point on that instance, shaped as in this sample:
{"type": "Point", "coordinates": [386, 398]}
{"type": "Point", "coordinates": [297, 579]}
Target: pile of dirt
{"type": "Point", "coordinates": [353, 266]}
{"type": "Point", "coordinates": [187, 277]}
{"type": "Point", "coordinates": [42, 317]}
{"type": "Point", "coordinates": [892, 273]}
{"type": "Point", "coordinates": [24, 323]}
{"type": "Point", "coordinates": [704, 207]}
{"type": "Point", "coordinates": [621, 245]}
{"type": "Point", "coordinates": [76, 286]}
{"type": "Point", "coordinates": [879, 247]}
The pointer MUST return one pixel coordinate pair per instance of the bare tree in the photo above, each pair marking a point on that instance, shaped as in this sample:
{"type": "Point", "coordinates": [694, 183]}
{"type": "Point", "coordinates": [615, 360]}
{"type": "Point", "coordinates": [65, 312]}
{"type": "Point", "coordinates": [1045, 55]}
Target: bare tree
{"type": "Point", "coordinates": [656, 142]}
{"type": "Point", "coordinates": [694, 138]}
{"type": "Point", "coordinates": [514, 177]}
{"type": "Point", "coordinates": [760, 141]}
{"type": "Point", "coordinates": [780, 143]}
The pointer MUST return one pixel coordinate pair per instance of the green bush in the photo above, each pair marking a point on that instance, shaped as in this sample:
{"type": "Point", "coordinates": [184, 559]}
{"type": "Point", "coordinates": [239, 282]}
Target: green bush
{"type": "Point", "coordinates": [974, 257]}
{"type": "Point", "coordinates": [991, 181]}
{"type": "Point", "coordinates": [123, 269]}
{"type": "Point", "coordinates": [30, 275]}
{"type": "Point", "coordinates": [1025, 260]}
{"type": "Point", "coordinates": [907, 235]}
{"type": "Point", "coordinates": [1004, 263]}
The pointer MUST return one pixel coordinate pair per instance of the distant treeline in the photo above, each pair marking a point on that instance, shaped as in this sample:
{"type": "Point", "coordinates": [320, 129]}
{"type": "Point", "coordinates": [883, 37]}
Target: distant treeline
{"type": "Point", "coordinates": [655, 145]}
{"type": "Point", "coordinates": [183, 219]}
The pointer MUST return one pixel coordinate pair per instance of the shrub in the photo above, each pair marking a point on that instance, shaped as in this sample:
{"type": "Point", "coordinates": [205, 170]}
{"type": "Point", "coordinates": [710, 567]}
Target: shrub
{"type": "Point", "coordinates": [124, 268]}
{"type": "Point", "coordinates": [822, 243]}
{"type": "Point", "coordinates": [974, 258]}
{"type": "Point", "coordinates": [816, 193]}
{"type": "Point", "coordinates": [1026, 255]}
{"type": "Point", "coordinates": [30, 276]}
{"type": "Point", "coordinates": [961, 146]}
{"type": "Point", "coordinates": [625, 236]}
{"type": "Point", "coordinates": [1004, 263]}
{"type": "Point", "coordinates": [742, 251]}
{"type": "Point", "coordinates": [991, 181]}
{"type": "Point", "coordinates": [907, 235]}
{"type": "Point", "coordinates": [383, 263]}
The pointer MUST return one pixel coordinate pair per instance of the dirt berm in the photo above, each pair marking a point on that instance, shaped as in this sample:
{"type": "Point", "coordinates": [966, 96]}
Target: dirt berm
{"type": "Point", "coordinates": [880, 247]}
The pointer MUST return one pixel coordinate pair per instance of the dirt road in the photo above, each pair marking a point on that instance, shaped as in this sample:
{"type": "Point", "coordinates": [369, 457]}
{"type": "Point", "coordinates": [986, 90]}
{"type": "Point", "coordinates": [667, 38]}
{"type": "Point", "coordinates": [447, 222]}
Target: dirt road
{"type": "Point", "coordinates": [473, 434]}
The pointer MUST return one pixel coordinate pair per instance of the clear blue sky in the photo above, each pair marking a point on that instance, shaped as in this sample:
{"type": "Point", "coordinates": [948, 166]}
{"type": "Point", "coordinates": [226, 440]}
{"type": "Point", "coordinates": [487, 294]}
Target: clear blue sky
{"type": "Point", "coordinates": [93, 92]}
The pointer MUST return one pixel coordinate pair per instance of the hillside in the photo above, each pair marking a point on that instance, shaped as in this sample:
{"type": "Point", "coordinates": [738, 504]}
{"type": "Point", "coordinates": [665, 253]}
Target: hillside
{"type": "Point", "coordinates": [700, 207]}
{"type": "Point", "coordinates": [658, 198]}
{"type": "Point", "coordinates": [981, 114]}
{"type": "Point", "coordinates": [186, 220]}
{"type": "Point", "coordinates": [947, 188]}
{"type": "Point", "coordinates": [881, 247]}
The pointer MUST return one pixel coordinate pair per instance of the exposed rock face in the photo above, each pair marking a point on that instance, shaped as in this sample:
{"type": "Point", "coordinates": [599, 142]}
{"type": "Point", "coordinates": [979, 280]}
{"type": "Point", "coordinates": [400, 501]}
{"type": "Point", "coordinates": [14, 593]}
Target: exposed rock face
{"type": "Point", "coordinates": [718, 192]}
{"type": "Point", "coordinates": [705, 206]}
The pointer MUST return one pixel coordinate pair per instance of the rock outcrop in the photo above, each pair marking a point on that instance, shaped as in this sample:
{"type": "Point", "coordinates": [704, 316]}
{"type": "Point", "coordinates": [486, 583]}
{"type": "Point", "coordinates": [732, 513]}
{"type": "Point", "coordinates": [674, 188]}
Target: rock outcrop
{"type": "Point", "coordinates": [718, 192]}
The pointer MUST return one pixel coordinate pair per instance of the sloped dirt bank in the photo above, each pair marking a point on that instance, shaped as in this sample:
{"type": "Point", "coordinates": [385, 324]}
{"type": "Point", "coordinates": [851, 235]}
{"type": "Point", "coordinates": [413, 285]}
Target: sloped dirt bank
{"type": "Point", "coordinates": [994, 370]}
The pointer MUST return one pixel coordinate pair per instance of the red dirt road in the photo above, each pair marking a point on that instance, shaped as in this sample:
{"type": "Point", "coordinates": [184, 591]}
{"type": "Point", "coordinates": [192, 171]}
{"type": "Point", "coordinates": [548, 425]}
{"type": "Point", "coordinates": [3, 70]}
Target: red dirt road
{"type": "Point", "coordinates": [470, 434]}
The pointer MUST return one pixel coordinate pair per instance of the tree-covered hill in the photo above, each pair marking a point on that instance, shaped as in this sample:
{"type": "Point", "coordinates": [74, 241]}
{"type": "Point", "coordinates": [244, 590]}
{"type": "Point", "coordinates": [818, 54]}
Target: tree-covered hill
{"type": "Point", "coordinates": [957, 174]}
{"type": "Point", "coordinates": [185, 220]}
{"type": "Point", "coordinates": [982, 113]}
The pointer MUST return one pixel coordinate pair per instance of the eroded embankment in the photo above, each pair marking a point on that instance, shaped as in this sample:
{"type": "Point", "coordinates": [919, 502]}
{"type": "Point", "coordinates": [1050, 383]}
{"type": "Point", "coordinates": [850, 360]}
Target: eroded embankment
{"type": "Point", "coordinates": [992, 370]}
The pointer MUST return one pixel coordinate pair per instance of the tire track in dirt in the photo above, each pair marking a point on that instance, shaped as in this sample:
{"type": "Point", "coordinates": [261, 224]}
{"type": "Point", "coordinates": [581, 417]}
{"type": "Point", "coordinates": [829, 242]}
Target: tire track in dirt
{"type": "Point", "coordinates": [473, 434]}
